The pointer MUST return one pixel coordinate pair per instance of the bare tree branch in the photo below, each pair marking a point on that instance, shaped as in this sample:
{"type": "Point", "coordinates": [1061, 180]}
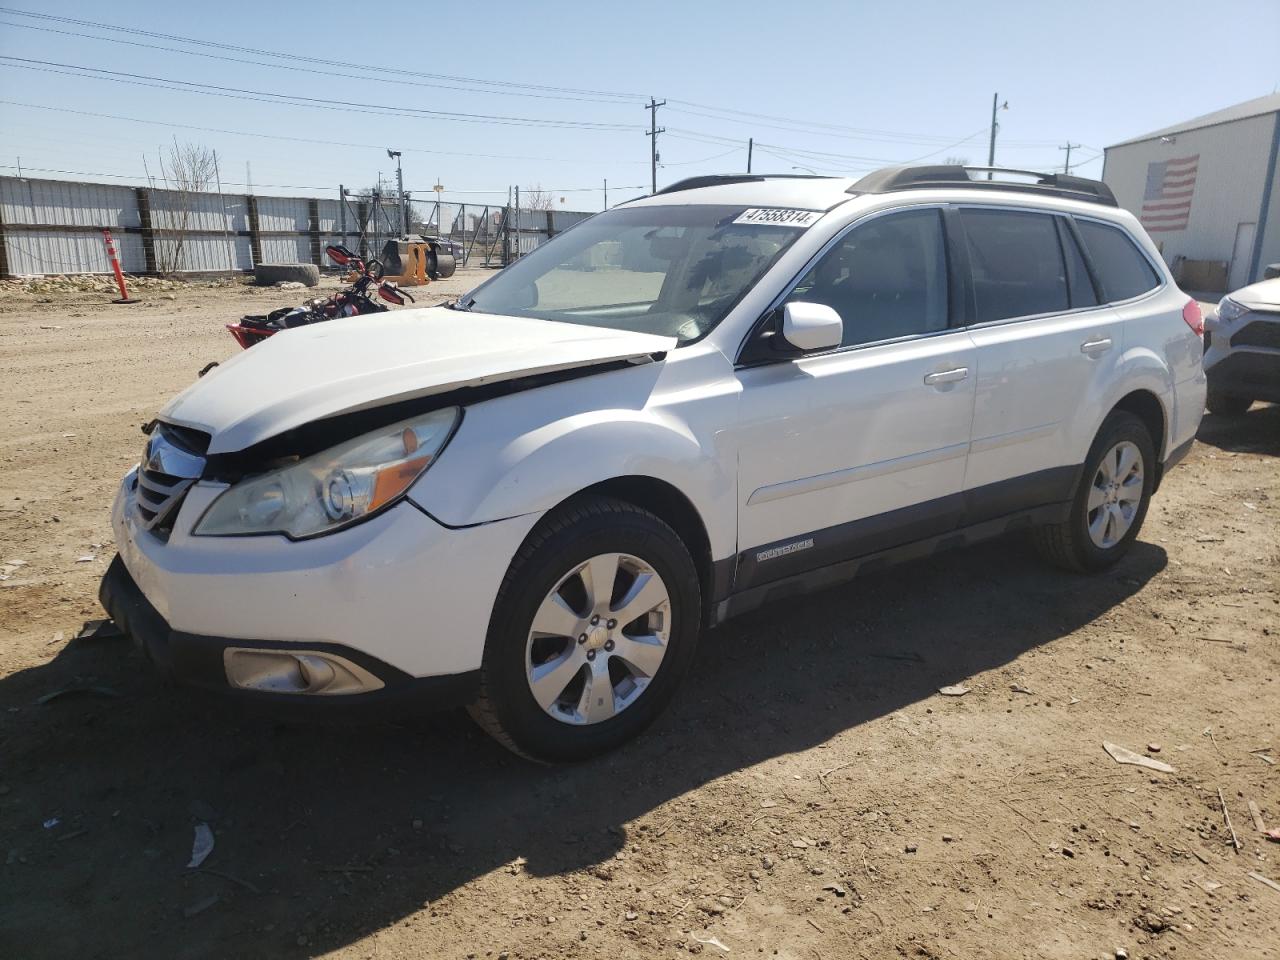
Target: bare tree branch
{"type": "Point", "coordinates": [188, 170]}
{"type": "Point", "coordinates": [535, 198]}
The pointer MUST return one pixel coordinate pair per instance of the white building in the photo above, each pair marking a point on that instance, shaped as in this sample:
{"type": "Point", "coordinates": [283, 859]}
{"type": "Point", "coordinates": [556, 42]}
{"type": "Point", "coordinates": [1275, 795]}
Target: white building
{"type": "Point", "coordinates": [1208, 192]}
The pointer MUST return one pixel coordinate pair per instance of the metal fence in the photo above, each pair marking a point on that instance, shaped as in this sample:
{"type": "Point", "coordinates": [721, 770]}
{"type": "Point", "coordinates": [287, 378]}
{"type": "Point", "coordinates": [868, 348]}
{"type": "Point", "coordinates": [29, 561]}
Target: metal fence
{"type": "Point", "coordinates": [55, 227]}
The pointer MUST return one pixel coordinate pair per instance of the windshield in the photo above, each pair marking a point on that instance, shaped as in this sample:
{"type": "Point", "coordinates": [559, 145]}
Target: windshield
{"type": "Point", "coordinates": [674, 271]}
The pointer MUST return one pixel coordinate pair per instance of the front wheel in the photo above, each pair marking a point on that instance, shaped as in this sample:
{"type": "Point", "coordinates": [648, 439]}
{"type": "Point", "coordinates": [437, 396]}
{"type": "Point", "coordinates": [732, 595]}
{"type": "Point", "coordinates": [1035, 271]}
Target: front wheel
{"type": "Point", "coordinates": [1111, 501]}
{"type": "Point", "coordinates": [594, 627]}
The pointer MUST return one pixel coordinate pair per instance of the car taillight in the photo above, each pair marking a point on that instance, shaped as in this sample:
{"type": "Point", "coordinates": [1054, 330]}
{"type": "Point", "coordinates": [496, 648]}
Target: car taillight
{"type": "Point", "coordinates": [1194, 318]}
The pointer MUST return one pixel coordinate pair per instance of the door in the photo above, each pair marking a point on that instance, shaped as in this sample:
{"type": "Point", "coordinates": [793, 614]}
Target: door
{"type": "Point", "coordinates": [1047, 345]}
{"type": "Point", "coordinates": [862, 448]}
{"type": "Point", "coordinates": [1241, 256]}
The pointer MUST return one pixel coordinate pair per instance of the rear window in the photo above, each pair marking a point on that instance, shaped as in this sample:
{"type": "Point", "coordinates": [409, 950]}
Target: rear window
{"type": "Point", "coordinates": [1016, 263]}
{"type": "Point", "coordinates": [1121, 267]}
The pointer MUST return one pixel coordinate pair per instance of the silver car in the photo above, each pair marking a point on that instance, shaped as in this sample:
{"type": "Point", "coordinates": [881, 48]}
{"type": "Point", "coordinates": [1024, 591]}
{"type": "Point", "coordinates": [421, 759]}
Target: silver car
{"type": "Point", "coordinates": [1242, 349]}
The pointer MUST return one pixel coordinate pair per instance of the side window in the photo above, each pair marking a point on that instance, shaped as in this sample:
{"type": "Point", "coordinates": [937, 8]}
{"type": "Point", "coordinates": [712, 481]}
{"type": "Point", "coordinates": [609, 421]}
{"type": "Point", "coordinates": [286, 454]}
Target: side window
{"type": "Point", "coordinates": [1016, 263]}
{"type": "Point", "coordinates": [1122, 269]}
{"type": "Point", "coordinates": [886, 278]}
{"type": "Point", "coordinates": [1079, 286]}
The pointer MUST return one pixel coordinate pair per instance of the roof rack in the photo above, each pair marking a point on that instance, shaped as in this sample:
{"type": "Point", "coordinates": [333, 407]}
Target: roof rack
{"type": "Point", "coordinates": [720, 179]}
{"type": "Point", "coordinates": [939, 175]}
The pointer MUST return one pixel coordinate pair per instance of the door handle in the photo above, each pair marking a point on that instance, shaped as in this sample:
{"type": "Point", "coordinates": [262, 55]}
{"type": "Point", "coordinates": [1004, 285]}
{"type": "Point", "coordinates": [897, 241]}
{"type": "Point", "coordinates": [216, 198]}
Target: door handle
{"type": "Point", "coordinates": [946, 376]}
{"type": "Point", "coordinates": [1101, 345]}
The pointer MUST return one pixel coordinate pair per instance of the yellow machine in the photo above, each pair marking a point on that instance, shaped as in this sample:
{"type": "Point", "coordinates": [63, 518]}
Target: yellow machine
{"type": "Point", "coordinates": [416, 262]}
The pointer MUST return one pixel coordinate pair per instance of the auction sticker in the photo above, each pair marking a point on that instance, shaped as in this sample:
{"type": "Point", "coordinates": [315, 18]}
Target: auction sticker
{"type": "Point", "coordinates": [779, 217]}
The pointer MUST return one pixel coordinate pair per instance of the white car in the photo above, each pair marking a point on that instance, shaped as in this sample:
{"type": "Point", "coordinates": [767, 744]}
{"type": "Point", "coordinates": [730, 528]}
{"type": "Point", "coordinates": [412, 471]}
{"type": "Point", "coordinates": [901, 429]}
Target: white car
{"type": "Point", "coordinates": [732, 391]}
{"type": "Point", "coordinates": [1242, 349]}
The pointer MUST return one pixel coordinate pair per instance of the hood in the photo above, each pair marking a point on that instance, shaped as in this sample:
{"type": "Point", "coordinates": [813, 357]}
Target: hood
{"type": "Point", "coordinates": [356, 363]}
{"type": "Point", "coordinates": [1259, 296]}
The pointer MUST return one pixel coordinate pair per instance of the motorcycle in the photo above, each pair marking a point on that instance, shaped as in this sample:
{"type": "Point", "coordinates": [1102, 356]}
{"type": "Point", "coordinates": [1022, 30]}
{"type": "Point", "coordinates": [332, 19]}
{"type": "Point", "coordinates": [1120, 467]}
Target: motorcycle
{"type": "Point", "coordinates": [354, 300]}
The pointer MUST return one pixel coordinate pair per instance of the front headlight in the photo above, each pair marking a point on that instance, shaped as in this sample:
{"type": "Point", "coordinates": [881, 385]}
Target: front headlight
{"type": "Point", "coordinates": [334, 488]}
{"type": "Point", "coordinates": [1229, 310]}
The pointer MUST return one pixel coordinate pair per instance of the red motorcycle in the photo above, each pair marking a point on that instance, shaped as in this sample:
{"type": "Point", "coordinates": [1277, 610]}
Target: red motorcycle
{"type": "Point", "coordinates": [352, 301]}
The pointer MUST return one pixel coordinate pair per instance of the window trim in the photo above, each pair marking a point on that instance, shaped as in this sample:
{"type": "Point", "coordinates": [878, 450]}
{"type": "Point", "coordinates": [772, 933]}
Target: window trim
{"type": "Point", "coordinates": [1156, 268]}
{"type": "Point", "coordinates": [1053, 215]}
{"type": "Point", "coordinates": [1103, 303]}
{"type": "Point", "coordinates": [768, 313]}
{"type": "Point", "coordinates": [1068, 234]}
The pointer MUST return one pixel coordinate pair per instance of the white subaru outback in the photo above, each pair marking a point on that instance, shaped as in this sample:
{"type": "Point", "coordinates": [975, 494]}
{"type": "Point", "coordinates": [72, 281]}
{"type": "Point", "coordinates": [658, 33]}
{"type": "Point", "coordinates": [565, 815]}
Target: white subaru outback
{"type": "Point", "coordinates": [734, 390]}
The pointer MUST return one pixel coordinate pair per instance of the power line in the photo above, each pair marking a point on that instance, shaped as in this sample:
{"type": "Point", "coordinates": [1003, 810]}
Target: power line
{"type": "Point", "coordinates": [1069, 147]}
{"type": "Point", "coordinates": [870, 133]}
{"type": "Point", "coordinates": [295, 186]}
{"type": "Point", "coordinates": [844, 133]}
{"type": "Point", "coordinates": [309, 56]}
{"type": "Point", "coordinates": [294, 67]}
{"type": "Point", "coordinates": [708, 111]}
{"type": "Point", "coordinates": [279, 136]}
{"type": "Point", "coordinates": [654, 130]}
{"type": "Point", "coordinates": [288, 99]}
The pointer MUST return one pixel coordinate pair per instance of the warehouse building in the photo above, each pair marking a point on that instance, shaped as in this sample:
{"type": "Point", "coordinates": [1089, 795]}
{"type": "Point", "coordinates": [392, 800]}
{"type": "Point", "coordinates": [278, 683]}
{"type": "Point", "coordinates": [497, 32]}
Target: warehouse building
{"type": "Point", "coordinates": [1207, 191]}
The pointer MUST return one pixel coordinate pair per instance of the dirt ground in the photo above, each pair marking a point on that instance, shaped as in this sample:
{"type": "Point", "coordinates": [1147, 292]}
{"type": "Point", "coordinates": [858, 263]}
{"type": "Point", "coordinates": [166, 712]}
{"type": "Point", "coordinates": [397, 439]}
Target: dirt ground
{"type": "Point", "coordinates": [810, 794]}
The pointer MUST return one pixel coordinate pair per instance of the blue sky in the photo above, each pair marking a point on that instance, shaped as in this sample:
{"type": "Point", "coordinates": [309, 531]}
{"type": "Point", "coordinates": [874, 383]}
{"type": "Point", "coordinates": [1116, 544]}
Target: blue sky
{"type": "Point", "coordinates": [834, 87]}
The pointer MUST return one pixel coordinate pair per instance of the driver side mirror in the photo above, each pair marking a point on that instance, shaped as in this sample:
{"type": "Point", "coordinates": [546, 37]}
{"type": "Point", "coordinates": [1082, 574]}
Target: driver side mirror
{"type": "Point", "coordinates": [808, 327]}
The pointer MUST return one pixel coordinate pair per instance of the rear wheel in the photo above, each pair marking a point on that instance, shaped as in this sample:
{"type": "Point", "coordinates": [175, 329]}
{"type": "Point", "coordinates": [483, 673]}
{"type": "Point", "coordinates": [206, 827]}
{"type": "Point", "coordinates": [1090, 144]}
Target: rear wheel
{"type": "Point", "coordinates": [594, 627]}
{"type": "Point", "coordinates": [1227, 404]}
{"type": "Point", "coordinates": [1112, 500]}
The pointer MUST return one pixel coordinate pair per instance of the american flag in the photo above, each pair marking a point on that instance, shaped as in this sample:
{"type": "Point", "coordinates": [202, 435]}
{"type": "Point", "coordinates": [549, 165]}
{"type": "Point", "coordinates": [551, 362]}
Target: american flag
{"type": "Point", "coordinates": [1166, 205]}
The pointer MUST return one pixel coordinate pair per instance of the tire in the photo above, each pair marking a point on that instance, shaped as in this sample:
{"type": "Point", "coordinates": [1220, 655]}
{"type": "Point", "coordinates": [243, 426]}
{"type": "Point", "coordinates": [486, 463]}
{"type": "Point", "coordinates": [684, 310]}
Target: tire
{"type": "Point", "coordinates": [1227, 404]}
{"type": "Point", "coordinates": [1074, 544]}
{"type": "Point", "coordinates": [577, 725]}
{"type": "Point", "coordinates": [268, 274]}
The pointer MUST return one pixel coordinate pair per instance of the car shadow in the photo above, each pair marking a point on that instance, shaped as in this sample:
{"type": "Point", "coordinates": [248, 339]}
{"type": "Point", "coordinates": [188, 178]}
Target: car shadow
{"type": "Point", "coordinates": [328, 833]}
{"type": "Point", "coordinates": [1256, 431]}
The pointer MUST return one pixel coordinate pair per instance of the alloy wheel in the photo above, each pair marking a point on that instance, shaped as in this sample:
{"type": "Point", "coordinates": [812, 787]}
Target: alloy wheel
{"type": "Point", "coordinates": [1115, 494]}
{"type": "Point", "coordinates": [598, 639]}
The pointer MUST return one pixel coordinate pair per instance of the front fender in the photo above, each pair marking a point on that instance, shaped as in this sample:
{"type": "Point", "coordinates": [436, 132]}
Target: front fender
{"type": "Point", "coordinates": [528, 452]}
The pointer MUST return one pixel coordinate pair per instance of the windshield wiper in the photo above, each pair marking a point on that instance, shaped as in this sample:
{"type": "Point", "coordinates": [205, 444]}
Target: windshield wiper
{"type": "Point", "coordinates": [464, 306]}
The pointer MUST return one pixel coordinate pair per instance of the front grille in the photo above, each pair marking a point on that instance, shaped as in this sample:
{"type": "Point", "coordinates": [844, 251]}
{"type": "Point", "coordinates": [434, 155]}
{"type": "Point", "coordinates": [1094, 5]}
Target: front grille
{"type": "Point", "coordinates": [168, 469]}
{"type": "Point", "coordinates": [1260, 333]}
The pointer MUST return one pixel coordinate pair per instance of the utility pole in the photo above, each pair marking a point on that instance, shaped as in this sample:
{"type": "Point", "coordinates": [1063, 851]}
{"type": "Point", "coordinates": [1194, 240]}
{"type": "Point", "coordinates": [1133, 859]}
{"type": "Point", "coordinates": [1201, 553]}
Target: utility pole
{"type": "Point", "coordinates": [751, 142]}
{"type": "Point", "coordinates": [654, 130]}
{"type": "Point", "coordinates": [404, 213]}
{"type": "Point", "coordinates": [606, 193]}
{"type": "Point", "coordinates": [1066, 167]}
{"type": "Point", "coordinates": [991, 150]}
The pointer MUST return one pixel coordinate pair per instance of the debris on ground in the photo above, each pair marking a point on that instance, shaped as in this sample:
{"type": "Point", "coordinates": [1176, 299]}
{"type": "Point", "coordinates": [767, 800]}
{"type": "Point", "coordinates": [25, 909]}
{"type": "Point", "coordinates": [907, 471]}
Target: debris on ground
{"type": "Point", "coordinates": [99, 630]}
{"type": "Point", "coordinates": [712, 942]}
{"type": "Point", "coordinates": [201, 845]}
{"type": "Point", "coordinates": [1256, 814]}
{"type": "Point", "coordinates": [1124, 755]}
{"type": "Point", "coordinates": [1226, 816]}
{"type": "Point", "coordinates": [79, 687]}
{"type": "Point", "coordinates": [1021, 688]}
{"type": "Point", "coordinates": [958, 690]}
{"type": "Point", "coordinates": [1266, 881]}
{"type": "Point", "coordinates": [200, 906]}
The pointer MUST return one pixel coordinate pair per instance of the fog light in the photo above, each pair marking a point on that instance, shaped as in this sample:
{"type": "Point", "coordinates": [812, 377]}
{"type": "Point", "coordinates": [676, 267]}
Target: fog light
{"type": "Point", "coordinates": [296, 672]}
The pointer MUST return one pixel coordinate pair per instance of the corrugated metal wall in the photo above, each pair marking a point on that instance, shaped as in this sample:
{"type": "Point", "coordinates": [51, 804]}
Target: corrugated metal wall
{"type": "Point", "coordinates": [55, 226]}
{"type": "Point", "coordinates": [1231, 176]}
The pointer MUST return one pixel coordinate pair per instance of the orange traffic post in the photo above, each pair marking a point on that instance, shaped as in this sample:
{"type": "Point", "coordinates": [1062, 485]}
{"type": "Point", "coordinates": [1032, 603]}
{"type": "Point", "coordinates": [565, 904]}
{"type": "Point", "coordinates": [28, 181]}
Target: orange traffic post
{"type": "Point", "coordinates": [115, 267]}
